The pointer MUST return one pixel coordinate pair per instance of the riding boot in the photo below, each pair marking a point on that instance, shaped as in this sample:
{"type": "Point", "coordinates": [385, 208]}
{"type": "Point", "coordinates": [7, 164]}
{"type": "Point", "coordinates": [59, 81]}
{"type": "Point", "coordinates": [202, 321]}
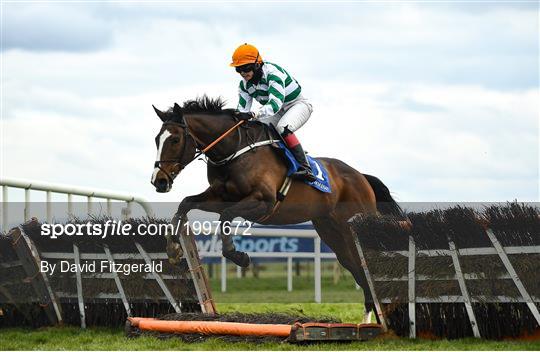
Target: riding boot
{"type": "Point", "coordinates": [304, 171]}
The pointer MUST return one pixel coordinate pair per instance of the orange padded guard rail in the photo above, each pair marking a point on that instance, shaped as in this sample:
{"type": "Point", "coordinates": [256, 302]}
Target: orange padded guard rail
{"type": "Point", "coordinates": [211, 327]}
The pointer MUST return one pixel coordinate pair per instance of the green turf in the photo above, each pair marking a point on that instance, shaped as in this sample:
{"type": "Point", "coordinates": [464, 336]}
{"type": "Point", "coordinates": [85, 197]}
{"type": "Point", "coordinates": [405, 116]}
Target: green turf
{"type": "Point", "coordinates": [251, 295]}
{"type": "Point", "coordinates": [271, 286]}
{"type": "Point", "coordinates": [72, 338]}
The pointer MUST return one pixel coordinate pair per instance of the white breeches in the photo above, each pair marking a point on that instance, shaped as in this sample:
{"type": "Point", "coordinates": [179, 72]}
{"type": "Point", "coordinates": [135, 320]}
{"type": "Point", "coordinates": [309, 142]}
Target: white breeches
{"type": "Point", "coordinates": [292, 115]}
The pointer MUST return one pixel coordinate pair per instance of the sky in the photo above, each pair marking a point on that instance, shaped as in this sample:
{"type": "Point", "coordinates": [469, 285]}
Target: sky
{"type": "Point", "coordinates": [440, 100]}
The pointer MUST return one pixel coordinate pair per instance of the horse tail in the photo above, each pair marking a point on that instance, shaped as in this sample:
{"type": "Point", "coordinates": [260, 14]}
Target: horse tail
{"type": "Point", "coordinates": [386, 205]}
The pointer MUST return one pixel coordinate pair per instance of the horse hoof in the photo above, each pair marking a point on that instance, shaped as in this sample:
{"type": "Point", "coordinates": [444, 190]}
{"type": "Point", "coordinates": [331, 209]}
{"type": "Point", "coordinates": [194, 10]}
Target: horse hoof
{"type": "Point", "coordinates": [239, 258]}
{"type": "Point", "coordinates": [174, 252]}
{"type": "Point", "coordinates": [405, 225]}
{"type": "Point", "coordinates": [174, 261]}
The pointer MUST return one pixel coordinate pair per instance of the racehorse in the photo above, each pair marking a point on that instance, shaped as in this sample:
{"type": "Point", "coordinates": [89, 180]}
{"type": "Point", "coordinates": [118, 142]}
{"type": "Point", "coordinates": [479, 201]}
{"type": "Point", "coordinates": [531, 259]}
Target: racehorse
{"type": "Point", "coordinates": [247, 184]}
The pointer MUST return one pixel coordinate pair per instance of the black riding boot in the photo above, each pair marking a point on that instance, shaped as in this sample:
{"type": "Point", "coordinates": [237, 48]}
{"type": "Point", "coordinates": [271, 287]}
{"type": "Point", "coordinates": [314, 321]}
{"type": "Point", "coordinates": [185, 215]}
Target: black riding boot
{"type": "Point", "coordinates": [304, 172]}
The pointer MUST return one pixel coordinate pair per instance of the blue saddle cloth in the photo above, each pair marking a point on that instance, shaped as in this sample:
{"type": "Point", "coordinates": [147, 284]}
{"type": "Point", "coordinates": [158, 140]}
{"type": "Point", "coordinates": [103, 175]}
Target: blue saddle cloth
{"type": "Point", "coordinates": [322, 183]}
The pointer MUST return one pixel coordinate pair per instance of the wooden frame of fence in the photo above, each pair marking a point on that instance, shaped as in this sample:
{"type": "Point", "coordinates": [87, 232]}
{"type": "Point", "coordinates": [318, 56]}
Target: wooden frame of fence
{"type": "Point", "coordinates": [29, 258]}
{"type": "Point", "coordinates": [411, 278]}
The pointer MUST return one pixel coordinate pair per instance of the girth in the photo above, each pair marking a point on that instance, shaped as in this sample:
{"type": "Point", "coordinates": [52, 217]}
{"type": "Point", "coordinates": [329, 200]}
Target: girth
{"type": "Point", "coordinates": [272, 136]}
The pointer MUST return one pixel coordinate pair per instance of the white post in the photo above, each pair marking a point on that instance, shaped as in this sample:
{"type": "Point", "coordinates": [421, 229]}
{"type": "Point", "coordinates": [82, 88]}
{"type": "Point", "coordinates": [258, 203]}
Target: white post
{"type": "Point", "coordinates": [70, 204]}
{"type": "Point", "coordinates": [371, 284]}
{"type": "Point", "coordinates": [517, 281]}
{"type": "Point", "coordinates": [126, 212]}
{"type": "Point", "coordinates": [78, 277]}
{"type": "Point", "coordinates": [89, 205]}
{"type": "Point", "coordinates": [238, 272]}
{"type": "Point", "coordinates": [317, 269]}
{"type": "Point", "coordinates": [463, 288]}
{"type": "Point", "coordinates": [289, 273]}
{"type": "Point", "coordinates": [26, 204]}
{"type": "Point", "coordinates": [223, 274]}
{"type": "Point", "coordinates": [412, 288]}
{"type": "Point", "coordinates": [5, 208]}
{"type": "Point", "coordinates": [49, 205]}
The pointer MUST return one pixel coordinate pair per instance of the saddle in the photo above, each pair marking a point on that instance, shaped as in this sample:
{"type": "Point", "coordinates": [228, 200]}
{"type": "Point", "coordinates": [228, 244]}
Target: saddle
{"type": "Point", "coordinates": [322, 183]}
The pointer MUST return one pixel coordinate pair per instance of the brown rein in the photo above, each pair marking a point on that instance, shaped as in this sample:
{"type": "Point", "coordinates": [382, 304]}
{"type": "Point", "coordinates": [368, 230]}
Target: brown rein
{"type": "Point", "coordinates": [207, 148]}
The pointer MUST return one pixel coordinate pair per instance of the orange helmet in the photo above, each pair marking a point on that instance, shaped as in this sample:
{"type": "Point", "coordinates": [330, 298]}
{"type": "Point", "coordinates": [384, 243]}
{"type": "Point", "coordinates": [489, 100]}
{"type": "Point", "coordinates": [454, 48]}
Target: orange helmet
{"type": "Point", "coordinates": [245, 54]}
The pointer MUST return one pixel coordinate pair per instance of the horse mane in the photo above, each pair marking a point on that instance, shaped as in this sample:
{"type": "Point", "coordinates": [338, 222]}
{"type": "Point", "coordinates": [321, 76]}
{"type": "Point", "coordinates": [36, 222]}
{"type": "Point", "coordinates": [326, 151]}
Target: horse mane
{"type": "Point", "coordinates": [204, 104]}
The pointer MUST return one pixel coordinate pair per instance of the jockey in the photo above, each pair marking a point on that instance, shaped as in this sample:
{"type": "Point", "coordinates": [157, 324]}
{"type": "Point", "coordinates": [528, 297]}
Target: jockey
{"type": "Point", "coordinates": [279, 94]}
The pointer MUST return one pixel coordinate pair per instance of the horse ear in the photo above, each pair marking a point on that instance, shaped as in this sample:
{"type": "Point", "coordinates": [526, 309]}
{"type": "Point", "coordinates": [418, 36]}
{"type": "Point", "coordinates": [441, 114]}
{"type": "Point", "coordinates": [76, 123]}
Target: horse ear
{"type": "Point", "coordinates": [177, 110]}
{"type": "Point", "coordinates": [161, 114]}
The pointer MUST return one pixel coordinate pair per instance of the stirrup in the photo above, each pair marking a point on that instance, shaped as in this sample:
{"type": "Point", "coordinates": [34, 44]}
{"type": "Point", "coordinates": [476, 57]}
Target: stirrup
{"type": "Point", "coordinates": [305, 174]}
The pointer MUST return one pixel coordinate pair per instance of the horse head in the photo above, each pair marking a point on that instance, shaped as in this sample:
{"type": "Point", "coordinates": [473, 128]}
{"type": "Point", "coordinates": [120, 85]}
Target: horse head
{"type": "Point", "coordinates": [175, 148]}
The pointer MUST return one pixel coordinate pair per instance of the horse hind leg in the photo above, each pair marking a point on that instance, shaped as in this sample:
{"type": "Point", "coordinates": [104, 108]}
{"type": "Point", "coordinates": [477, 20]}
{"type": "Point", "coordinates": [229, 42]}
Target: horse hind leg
{"type": "Point", "coordinates": [339, 239]}
{"type": "Point", "coordinates": [367, 316]}
{"type": "Point", "coordinates": [348, 237]}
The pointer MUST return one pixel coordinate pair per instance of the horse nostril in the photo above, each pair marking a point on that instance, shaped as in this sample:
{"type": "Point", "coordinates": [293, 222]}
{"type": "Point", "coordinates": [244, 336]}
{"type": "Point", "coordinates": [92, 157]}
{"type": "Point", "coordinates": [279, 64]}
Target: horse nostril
{"type": "Point", "coordinates": [161, 183]}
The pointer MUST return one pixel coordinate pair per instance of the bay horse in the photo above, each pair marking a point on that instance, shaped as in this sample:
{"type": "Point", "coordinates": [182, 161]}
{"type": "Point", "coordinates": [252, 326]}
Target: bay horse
{"type": "Point", "coordinates": [247, 186]}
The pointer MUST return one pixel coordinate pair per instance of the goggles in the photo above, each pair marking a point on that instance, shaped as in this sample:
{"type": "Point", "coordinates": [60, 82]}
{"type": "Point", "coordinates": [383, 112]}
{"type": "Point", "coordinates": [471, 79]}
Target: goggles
{"type": "Point", "coordinates": [245, 68]}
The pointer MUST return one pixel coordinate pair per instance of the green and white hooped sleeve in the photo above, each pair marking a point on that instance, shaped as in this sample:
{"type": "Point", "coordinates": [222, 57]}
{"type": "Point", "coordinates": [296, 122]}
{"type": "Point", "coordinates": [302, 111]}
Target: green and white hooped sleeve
{"type": "Point", "coordinates": [244, 99]}
{"type": "Point", "coordinates": [276, 95]}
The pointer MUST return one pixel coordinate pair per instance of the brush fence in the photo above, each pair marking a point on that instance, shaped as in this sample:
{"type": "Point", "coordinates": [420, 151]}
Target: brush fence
{"type": "Point", "coordinates": [453, 276]}
{"type": "Point", "coordinates": [29, 297]}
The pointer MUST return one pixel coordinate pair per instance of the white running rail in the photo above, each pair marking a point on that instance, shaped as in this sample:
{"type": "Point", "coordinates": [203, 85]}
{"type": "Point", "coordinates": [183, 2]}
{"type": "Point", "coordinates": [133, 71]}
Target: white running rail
{"type": "Point", "coordinates": [50, 188]}
{"type": "Point", "coordinates": [129, 199]}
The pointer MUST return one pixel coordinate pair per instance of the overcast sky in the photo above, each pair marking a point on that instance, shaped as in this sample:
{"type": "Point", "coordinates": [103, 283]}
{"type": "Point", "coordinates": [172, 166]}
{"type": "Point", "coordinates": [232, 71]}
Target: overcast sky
{"type": "Point", "coordinates": [439, 100]}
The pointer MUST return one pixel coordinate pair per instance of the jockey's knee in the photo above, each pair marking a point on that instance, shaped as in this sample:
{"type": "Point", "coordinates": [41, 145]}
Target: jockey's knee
{"type": "Point", "coordinates": [295, 117]}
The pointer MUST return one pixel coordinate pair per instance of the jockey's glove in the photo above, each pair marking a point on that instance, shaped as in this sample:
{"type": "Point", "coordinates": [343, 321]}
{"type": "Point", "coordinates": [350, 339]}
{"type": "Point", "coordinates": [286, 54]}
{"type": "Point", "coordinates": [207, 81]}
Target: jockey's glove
{"type": "Point", "coordinates": [244, 115]}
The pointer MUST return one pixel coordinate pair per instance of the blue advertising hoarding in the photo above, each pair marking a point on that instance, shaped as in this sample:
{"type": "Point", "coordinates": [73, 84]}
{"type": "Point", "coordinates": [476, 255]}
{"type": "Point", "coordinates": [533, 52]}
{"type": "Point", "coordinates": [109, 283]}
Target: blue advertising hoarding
{"type": "Point", "coordinates": [260, 244]}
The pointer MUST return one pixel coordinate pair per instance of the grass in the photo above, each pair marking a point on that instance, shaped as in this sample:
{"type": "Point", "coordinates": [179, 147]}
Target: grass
{"type": "Point", "coordinates": [271, 287]}
{"type": "Point", "coordinates": [251, 295]}
{"type": "Point", "coordinates": [72, 338]}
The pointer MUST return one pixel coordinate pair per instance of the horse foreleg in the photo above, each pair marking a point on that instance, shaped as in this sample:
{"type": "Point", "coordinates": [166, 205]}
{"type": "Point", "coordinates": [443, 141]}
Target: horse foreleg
{"type": "Point", "coordinates": [248, 208]}
{"type": "Point", "coordinates": [208, 201]}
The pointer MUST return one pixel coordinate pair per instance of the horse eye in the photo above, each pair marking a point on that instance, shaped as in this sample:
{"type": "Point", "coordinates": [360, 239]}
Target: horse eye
{"type": "Point", "coordinates": [175, 140]}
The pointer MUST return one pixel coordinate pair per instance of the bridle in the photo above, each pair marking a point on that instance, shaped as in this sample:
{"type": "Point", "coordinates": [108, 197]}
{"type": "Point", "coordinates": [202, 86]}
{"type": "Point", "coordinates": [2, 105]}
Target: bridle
{"type": "Point", "coordinates": [179, 160]}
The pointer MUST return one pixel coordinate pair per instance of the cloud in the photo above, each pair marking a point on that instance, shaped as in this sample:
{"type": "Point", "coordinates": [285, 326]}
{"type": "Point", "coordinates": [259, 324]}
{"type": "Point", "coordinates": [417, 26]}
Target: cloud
{"type": "Point", "coordinates": [441, 102]}
{"type": "Point", "coordinates": [49, 27]}
{"type": "Point", "coordinates": [485, 43]}
{"type": "Point", "coordinates": [472, 133]}
{"type": "Point", "coordinates": [413, 150]}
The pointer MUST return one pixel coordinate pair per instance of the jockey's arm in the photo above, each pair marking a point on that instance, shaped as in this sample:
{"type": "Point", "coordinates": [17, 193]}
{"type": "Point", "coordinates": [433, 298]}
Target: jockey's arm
{"type": "Point", "coordinates": [244, 99]}
{"type": "Point", "coordinates": [276, 96]}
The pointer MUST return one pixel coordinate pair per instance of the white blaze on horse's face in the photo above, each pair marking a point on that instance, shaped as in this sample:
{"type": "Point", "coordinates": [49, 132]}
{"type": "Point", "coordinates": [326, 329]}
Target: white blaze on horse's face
{"type": "Point", "coordinates": [162, 138]}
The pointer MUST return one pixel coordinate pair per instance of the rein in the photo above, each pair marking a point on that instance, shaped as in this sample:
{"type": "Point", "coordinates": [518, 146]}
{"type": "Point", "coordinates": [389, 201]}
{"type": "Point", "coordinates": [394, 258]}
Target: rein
{"type": "Point", "coordinates": [179, 160]}
{"type": "Point", "coordinates": [222, 136]}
